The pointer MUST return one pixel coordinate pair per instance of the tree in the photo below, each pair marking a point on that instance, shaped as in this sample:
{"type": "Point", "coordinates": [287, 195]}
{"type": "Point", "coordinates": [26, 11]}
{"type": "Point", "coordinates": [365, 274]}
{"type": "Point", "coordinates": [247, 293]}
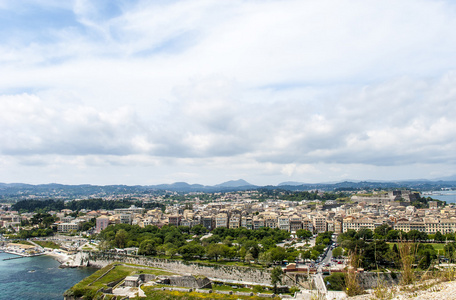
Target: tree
{"type": "Point", "coordinates": [278, 254]}
{"type": "Point", "coordinates": [276, 277]}
{"type": "Point", "coordinates": [170, 249]}
{"type": "Point", "coordinates": [364, 233]}
{"type": "Point", "coordinates": [382, 230]}
{"type": "Point", "coordinates": [191, 250]}
{"type": "Point", "coordinates": [265, 258]}
{"type": "Point", "coordinates": [198, 229]}
{"type": "Point", "coordinates": [248, 257]}
{"type": "Point", "coordinates": [303, 234]}
{"type": "Point", "coordinates": [337, 252]}
{"type": "Point", "coordinates": [439, 237]}
{"type": "Point", "coordinates": [416, 235]}
{"type": "Point", "coordinates": [104, 245]}
{"type": "Point", "coordinates": [374, 253]}
{"type": "Point", "coordinates": [121, 238]}
{"type": "Point", "coordinates": [449, 251]}
{"type": "Point", "coordinates": [393, 235]}
{"type": "Point", "coordinates": [214, 251]}
{"type": "Point", "coordinates": [147, 247]}
{"type": "Point", "coordinates": [335, 281]}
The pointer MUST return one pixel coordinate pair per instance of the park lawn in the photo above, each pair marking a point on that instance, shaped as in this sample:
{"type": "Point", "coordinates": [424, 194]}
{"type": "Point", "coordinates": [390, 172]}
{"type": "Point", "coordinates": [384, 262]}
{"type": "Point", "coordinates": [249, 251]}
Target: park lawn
{"type": "Point", "coordinates": [437, 246]}
{"type": "Point", "coordinates": [151, 294]}
{"type": "Point", "coordinates": [91, 284]}
{"type": "Point", "coordinates": [48, 244]}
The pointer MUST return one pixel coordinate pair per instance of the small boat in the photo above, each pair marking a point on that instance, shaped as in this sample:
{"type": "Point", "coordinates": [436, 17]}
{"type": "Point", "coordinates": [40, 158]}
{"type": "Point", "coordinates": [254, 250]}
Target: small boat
{"type": "Point", "coordinates": [32, 271]}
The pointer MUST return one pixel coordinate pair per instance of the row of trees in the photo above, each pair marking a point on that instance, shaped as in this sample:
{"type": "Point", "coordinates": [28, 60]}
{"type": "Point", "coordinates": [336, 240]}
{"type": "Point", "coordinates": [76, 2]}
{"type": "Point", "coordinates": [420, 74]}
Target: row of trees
{"type": "Point", "coordinates": [227, 243]}
{"type": "Point", "coordinates": [89, 204]}
{"type": "Point", "coordinates": [375, 252]}
{"type": "Point", "coordinates": [299, 196]}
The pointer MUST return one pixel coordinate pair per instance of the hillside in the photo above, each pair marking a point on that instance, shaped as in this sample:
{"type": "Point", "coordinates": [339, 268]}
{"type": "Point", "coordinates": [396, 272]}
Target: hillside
{"type": "Point", "coordinates": [424, 291]}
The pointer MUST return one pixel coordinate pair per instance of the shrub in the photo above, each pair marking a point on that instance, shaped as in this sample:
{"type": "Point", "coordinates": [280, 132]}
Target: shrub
{"type": "Point", "coordinates": [335, 281]}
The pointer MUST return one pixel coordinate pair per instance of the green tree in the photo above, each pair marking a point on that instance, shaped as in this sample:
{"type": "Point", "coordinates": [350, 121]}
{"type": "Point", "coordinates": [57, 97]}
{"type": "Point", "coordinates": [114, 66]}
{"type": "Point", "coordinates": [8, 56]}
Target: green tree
{"type": "Point", "coordinates": [439, 237]}
{"type": "Point", "coordinates": [248, 257]}
{"type": "Point", "coordinates": [337, 252]}
{"type": "Point", "coordinates": [191, 250]}
{"type": "Point", "coordinates": [147, 247]}
{"type": "Point", "coordinates": [278, 254]}
{"type": "Point", "coordinates": [335, 281]}
{"type": "Point", "coordinates": [276, 277]}
{"type": "Point", "coordinates": [214, 251]}
{"type": "Point", "coordinates": [121, 238]}
{"type": "Point", "coordinates": [393, 235]}
{"type": "Point", "coordinates": [303, 234]}
{"type": "Point", "coordinates": [364, 233]}
{"type": "Point", "coordinates": [449, 250]}
{"type": "Point", "coordinates": [382, 230]}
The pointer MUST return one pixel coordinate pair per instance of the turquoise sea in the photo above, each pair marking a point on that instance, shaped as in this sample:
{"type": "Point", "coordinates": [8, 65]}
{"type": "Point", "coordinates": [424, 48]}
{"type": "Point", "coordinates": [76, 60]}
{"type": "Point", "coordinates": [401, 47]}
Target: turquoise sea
{"type": "Point", "coordinates": [448, 196]}
{"type": "Point", "coordinates": [36, 278]}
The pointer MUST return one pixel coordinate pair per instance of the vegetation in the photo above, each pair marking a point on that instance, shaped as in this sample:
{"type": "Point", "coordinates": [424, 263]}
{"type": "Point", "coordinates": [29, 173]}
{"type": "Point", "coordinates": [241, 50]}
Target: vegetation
{"type": "Point", "coordinates": [299, 196]}
{"type": "Point", "coordinates": [335, 282]}
{"type": "Point", "coordinates": [48, 244]}
{"type": "Point", "coordinates": [89, 286]}
{"type": "Point", "coordinates": [89, 204]}
{"type": "Point", "coordinates": [321, 242]}
{"type": "Point", "coordinates": [152, 294]}
{"type": "Point", "coordinates": [423, 202]}
{"type": "Point", "coordinates": [229, 244]}
{"type": "Point", "coordinates": [276, 277]}
{"type": "Point", "coordinates": [352, 286]}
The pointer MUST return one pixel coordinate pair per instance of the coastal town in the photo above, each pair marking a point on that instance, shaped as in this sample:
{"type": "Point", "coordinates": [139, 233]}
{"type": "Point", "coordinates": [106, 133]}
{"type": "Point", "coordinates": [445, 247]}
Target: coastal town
{"type": "Point", "coordinates": [243, 209]}
{"type": "Point", "coordinates": [293, 232]}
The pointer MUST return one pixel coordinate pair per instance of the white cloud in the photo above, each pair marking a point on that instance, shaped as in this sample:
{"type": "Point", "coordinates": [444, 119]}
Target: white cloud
{"type": "Point", "coordinates": [268, 90]}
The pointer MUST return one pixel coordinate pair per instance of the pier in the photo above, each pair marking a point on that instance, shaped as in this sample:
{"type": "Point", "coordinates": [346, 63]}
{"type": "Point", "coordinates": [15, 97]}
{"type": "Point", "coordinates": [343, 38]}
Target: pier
{"type": "Point", "coordinates": [19, 255]}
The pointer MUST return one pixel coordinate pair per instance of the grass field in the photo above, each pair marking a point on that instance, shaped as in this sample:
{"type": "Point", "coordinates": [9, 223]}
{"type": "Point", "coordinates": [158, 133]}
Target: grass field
{"type": "Point", "coordinates": [437, 246]}
{"type": "Point", "coordinates": [48, 244]}
{"type": "Point", "coordinates": [91, 284]}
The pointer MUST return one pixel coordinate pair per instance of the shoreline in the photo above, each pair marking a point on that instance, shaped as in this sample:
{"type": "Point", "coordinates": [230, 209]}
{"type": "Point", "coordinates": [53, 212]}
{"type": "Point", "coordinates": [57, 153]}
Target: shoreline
{"type": "Point", "coordinates": [62, 258]}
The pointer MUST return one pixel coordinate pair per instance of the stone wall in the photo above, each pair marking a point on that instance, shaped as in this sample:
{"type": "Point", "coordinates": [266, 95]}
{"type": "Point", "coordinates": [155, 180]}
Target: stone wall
{"type": "Point", "coordinates": [370, 280]}
{"type": "Point", "coordinates": [190, 281]}
{"type": "Point", "coordinates": [244, 274]}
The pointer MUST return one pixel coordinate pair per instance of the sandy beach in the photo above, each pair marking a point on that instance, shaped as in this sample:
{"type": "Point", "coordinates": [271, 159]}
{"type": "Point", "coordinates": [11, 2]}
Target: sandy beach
{"type": "Point", "coordinates": [61, 257]}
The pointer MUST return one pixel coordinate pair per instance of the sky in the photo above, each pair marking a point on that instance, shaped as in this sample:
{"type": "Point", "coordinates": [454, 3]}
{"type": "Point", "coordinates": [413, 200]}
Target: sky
{"type": "Point", "coordinates": [150, 92]}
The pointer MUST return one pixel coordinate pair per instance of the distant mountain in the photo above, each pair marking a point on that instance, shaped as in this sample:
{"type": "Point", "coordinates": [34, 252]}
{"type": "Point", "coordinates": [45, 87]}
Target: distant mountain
{"type": "Point", "coordinates": [20, 191]}
{"type": "Point", "coordinates": [234, 184]}
{"type": "Point", "coordinates": [291, 183]}
{"type": "Point", "coordinates": [180, 186]}
{"type": "Point", "coordinates": [447, 178]}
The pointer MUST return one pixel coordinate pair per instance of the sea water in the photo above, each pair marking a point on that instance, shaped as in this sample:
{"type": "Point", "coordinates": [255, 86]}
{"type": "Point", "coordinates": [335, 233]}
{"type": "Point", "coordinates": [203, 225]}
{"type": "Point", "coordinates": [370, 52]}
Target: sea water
{"type": "Point", "coordinates": [448, 196]}
{"type": "Point", "coordinates": [36, 277]}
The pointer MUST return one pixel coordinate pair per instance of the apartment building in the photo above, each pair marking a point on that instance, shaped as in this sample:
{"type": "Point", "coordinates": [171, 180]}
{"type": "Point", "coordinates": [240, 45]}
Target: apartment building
{"type": "Point", "coordinates": [295, 223]}
{"type": "Point", "coordinates": [235, 221]}
{"type": "Point", "coordinates": [174, 220]}
{"type": "Point", "coordinates": [101, 223]}
{"type": "Point", "coordinates": [221, 220]}
{"type": "Point", "coordinates": [258, 222]}
{"type": "Point", "coordinates": [247, 222]}
{"type": "Point", "coordinates": [270, 220]}
{"type": "Point", "coordinates": [319, 223]}
{"type": "Point", "coordinates": [283, 223]}
{"type": "Point", "coordinates": [68, 227]}
{"type": "Point", "coordinates": [207, 222]}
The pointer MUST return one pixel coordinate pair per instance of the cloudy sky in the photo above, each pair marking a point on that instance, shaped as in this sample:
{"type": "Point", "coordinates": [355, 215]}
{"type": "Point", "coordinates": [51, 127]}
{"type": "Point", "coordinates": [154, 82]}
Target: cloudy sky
{"type": "Point", "coordinates": [148, 92]}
